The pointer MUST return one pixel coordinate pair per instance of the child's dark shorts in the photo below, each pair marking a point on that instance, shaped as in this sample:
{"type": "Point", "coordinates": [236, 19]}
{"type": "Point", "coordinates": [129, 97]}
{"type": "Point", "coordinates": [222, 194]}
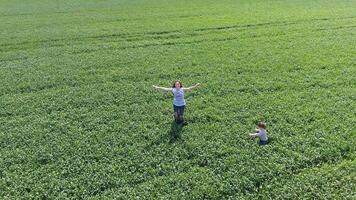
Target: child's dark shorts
{"type": "Point", "coordinates": [263, 142]}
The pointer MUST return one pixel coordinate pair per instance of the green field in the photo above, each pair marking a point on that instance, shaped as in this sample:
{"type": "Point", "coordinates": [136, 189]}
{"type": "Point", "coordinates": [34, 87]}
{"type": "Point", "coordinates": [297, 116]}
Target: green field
{"type": "Point", "coordinates": [79, 117]}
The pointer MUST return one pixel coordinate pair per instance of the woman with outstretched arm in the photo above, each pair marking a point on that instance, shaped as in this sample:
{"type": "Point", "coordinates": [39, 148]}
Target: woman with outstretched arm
{"type": "Point", "coordinates": [178, 100]}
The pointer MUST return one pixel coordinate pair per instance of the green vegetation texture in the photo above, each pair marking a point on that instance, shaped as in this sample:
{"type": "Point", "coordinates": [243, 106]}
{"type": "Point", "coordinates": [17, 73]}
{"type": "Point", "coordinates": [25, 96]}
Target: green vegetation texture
{"type": "Point", "coordinates": [79, 117]}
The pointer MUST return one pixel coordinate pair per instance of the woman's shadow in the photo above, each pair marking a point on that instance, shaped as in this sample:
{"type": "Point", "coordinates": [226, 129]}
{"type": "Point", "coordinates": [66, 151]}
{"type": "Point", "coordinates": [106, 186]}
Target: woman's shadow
{"type": "Point", "coordinates": [175, 132]}
{"type": "Point", "coordinates": [173, 135]}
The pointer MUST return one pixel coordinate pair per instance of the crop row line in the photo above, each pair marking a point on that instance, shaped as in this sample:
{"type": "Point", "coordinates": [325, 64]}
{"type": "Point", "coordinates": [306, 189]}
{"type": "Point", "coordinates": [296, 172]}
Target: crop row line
{"type": "Point", "coordinates": [173, 43]}
{"type": "Point", "coordinates": [168, 34]}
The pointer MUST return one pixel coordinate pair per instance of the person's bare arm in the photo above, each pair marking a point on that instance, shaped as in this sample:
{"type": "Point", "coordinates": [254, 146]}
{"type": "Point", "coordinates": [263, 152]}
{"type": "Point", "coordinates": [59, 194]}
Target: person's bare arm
{"type": "Point", "coordinates": [253, 134]}
{"type": "Point", "coordinates": [191, 87]}
{"type": "Point", "coordinates": [162, 88]}
{"type": "Point", "coordinates": [256, 134]}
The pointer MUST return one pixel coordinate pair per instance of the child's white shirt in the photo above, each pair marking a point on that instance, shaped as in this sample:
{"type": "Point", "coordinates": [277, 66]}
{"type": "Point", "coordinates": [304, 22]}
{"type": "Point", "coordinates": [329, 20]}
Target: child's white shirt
{"type": "Point", "coordinates": [262, 133]}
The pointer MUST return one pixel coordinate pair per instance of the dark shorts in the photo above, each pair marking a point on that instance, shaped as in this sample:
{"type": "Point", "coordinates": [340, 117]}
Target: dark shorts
{"type": "Point", "coordinates": [178, 109]}
{"type": "Point", "coordinates": [263, 142]}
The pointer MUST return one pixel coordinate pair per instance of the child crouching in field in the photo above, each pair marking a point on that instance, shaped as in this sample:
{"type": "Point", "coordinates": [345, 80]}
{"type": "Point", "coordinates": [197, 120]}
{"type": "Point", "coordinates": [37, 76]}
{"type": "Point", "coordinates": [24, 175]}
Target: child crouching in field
{"type": "Point", "coordinates": [261, 133]}
{"type": "Point", "coordinates": [178, 100]}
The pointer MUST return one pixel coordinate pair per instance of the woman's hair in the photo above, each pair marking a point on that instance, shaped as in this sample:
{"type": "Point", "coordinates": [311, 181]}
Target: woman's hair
{"type": "Point", "coordinates": [180, 83]}
{"type": "Point", "coordinates": [261, 125]}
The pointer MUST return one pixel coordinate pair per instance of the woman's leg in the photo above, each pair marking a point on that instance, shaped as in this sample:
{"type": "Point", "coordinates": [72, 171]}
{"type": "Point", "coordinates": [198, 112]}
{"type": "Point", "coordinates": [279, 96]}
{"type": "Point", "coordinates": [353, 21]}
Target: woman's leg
{"type": "Point", "coordinates": [176, 117]}
{"type": "Point", "coordinates": [181, 113]}
{"type": "Point", "coordinates": [178, 113]}
{"type": "Point", "coordinates": [175, 113]}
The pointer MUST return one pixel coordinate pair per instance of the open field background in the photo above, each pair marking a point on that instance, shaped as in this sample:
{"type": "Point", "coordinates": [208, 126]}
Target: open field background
{"type": "Point", "coordinates": [79, 118]}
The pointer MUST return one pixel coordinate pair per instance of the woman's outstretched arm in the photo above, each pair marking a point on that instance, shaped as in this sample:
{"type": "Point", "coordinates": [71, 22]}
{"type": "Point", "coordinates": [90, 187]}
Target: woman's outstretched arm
{"type": "Point", "coordinates": [192, 87]}
{"type": "Point", "coordinates": [162, 88]}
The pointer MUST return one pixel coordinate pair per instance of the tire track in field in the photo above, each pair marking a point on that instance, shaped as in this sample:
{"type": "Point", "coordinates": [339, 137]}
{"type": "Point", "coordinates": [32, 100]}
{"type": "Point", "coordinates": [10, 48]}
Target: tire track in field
{"type": "Point", "coordinates": [45, 13]}
{"type": "Point", "coordinates": [335, 28]}
{"type": "Point", "coordinates": [174, 34]}
{"type": "Point", "coordinates": [170, 43]}
{"type": "Point", "coordinates": [173, 43]}
{"type": "Point", "coordinates": [157, 34]}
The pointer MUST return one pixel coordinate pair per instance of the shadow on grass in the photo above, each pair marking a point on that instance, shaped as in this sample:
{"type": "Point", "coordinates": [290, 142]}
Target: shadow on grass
{"type": "Point", "coordinates": [270, 140]}
{"type": "Point", "coordinates": [172, 136]}
{"type": "Point", "coordinates": [175, 132]}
